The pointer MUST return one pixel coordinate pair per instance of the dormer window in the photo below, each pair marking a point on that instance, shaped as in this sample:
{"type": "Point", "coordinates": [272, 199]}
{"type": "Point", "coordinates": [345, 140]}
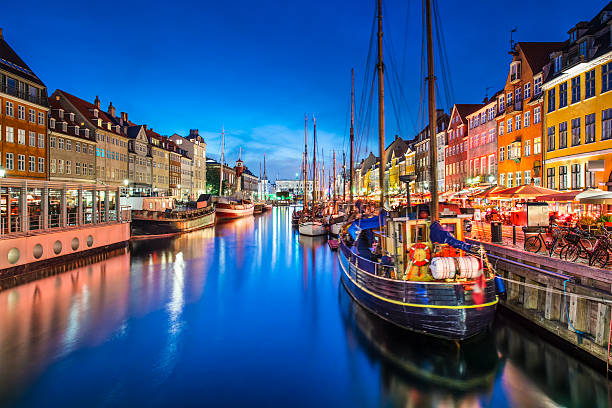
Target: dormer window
{"type": "Point", "coordinates": [86, 133]}
{"type": "Point", "coordinates": [572, 36]}
{"type": "Point", "coordinates": [52, 123]}
{"type": "Point", "coordinates": [64, 126]}
{"type": "Point", "coordinates": [501, 103]}
{"type": "Point", "coordinates": [76, 130]}
{"type": "Point", "coordinates": [99, 122]}
{"type": "Point", "coordinates": [583, 49]}
{"type": "Point", "coordinates": [515, 71]}
{"type": "Point", "coordinates": [558, 62]}
{"type": "Point", "coordinates": [71, 116]}
{"type": "Point", "coordinates": [60, 113]}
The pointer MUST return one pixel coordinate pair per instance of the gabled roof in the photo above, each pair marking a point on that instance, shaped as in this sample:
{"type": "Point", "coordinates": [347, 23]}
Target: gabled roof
{"type": "Point", "coordinates": [398, 146]}
{"type": "Point", "coordinates": [465, 109]}
{"type": "Point", "coordinates": [12, 63]}
{"type": "Point", "coordinates": [84, 108]}
{"type": "Point", "coordinates": [55, 104]}
{"type": "Point", "coordinates": [538, 53]}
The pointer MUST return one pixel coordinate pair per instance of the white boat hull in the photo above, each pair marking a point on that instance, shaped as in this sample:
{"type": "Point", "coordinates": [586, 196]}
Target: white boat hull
{"type": "Point", "coordinates": [312, 228]}
{"type": "Point", "coordinates": [234, 211]}
{"type": "Point", "coordinates": [334, 229]}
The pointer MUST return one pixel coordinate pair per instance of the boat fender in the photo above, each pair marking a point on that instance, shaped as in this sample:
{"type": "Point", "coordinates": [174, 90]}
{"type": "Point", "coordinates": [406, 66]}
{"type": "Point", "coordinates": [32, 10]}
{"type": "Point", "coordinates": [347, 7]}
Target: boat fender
{"type": "Point", "coordinates": [443, 268]}
{"type": "Point", "coordinates": [419, 254]}
{"type": "Point", "coordinates": [468, 267]}
{"type": "Point", "coordinates": [500, 287]}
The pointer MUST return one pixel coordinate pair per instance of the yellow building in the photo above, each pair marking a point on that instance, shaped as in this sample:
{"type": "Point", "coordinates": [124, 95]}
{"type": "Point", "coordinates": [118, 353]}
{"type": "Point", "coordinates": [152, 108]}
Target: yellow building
{"type": "Point", "coordinates": [577, 127]}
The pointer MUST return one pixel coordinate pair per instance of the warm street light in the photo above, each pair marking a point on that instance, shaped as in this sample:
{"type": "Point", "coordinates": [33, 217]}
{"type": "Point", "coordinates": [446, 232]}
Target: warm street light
{"type": "Point", "coordinates": [2, 172]}
{"type": "Point", "coordinates": [126, 182]}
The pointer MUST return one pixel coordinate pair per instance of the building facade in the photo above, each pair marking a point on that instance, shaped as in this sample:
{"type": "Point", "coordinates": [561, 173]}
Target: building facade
{"type": "Point", "coordinates": [456, 163]}
{"type": "Point", "coordinates": [23, 117]}
{"type": "Point", "coordinates": [71, 148]}
{"type": "Point", "coordinates": [578, 103]}
{"type": "Point", "coordinates": [519, 119]}
{"type": "Point", "coordinates": [140, 162]}
{"type": "Point", "coordinates": [482, 143]}
{"type": "Point", "coordinates": [197, 151]}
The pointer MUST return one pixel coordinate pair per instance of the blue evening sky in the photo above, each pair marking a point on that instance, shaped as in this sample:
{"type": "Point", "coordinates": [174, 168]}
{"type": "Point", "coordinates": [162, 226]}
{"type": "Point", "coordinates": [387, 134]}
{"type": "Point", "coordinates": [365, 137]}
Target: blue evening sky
{"type": "Point", "coordinates": [258, 66]}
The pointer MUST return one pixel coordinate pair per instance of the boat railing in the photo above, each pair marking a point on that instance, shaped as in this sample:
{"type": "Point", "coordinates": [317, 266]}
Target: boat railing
{"type": "Point", "coordinates": [375, 268]}
{"type": "Point", "coordinates": [174, 215]}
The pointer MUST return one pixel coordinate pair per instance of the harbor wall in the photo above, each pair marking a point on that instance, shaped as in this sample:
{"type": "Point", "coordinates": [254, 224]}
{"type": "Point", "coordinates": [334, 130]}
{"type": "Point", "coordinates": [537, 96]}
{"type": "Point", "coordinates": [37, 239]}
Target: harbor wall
{"type": "Point", "coordinates": [570, 301]}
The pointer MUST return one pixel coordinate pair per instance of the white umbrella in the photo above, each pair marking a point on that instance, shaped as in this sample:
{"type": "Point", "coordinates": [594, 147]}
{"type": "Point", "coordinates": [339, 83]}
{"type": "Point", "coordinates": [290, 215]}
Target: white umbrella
{"type": "Point", "coordinates": [589, 193]}
{"type": "Point", "coordinates": [604, 197]}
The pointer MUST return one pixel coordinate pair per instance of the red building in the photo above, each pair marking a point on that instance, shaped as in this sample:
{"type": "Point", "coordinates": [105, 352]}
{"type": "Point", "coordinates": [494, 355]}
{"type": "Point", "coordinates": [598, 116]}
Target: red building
{"type": "Point", "coordinates": [456, 165]}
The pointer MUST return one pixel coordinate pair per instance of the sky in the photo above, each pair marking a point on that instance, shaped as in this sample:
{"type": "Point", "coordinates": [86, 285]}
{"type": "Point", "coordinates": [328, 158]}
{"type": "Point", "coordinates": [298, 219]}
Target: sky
{"type": "Point", "coordinates": [257, 68]}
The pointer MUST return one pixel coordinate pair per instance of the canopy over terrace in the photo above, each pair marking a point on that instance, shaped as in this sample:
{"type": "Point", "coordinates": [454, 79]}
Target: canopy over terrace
{"type": "Point", "coordinates": [560, 196]}
{"type": "Point", "coordinates": [605, 197]}
{"type": "Point", "coordinates": [526, 192]}
{"type": "Point", "coordinates": [488, 193]}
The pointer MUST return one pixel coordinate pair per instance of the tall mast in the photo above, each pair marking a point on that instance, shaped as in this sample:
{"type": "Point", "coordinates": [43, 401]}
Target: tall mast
{"type": "Point", "coordinates": [259, 181]}
{"type": "Point", "coordinates": [221, 168]}
{"type": "Point", "coordinates": [381, 108]}
{"type": "Point", "coordinates": [433, 146]}
{"type": "Point", "coordinates": [343, 177]}
{"type": "Point", "coordinates": [352, 141]}
{"type": "Point", "coordinates": [314, 164]}
{"type": "Point", "coordinates": [334, 178]}
{"type": "Point", "coordinates": [305, 191]}
{"type": "Point", "coordinates": [265, 179]}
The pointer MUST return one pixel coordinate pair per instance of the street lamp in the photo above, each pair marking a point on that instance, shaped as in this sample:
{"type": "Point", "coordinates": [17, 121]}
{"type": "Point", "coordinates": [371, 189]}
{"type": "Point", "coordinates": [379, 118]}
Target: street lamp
{"type": "Point", "coordinates": [126, 182]}
{"type": "Point", "coordinates": [408, 178]}
{"type": "Point", "coordinates": [2, 172]}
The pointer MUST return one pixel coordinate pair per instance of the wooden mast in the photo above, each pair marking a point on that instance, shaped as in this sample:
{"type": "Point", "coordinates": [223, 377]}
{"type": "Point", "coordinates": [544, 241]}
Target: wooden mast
{"type": "Point", "coordinates": [352, 133]}
{"type": "Point", "coordinates": [221, 167]}
{"type": "Point", "coordinates": [433, 146]}
{"type": "Point", "coordinates": [381, 109]}
{"type": "Point", "coordinates": [343, 177]}
{"type": "Point", "coordinates": [305, 191]}
{"type": "Point", "coordinates": [314, 164]}
{"type": "Point", "coordinates": [334, 178]}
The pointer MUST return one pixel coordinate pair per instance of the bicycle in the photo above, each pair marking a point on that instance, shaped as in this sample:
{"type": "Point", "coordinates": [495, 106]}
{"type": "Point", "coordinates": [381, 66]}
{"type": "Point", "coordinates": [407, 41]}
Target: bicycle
{"type": "Point", "coordinates": [597, 256]}
{"type": "Point", "coordinates": [534, 243]}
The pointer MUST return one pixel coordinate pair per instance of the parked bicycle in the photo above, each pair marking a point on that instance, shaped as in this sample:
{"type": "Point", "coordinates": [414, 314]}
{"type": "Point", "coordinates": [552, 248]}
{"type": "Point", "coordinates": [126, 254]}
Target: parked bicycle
{"type": "Point", "coordinates": [597, 255]}
{"type": "Point", "coordinates": [534, 243]}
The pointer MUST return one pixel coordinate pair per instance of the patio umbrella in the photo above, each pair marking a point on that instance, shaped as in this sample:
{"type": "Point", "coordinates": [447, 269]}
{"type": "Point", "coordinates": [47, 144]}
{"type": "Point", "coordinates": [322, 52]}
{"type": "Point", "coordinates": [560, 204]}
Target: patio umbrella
{"type": "Point", "coordinates": [524, 192]}
{"type": "Point", "coordinates": [560, 196]}
{"type": "Point", "coordinates": [604, 198]}
{"type": "Point", "coordinates": [589, 193]}
{"type": "Point", "coordinates": [488, 192]}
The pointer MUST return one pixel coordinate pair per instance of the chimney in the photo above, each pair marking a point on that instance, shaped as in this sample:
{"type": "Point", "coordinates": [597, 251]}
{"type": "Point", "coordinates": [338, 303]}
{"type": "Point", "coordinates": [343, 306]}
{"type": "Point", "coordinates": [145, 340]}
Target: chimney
{"type": "Point", "coordinates": [97, 102]}
{"type": "Point", "coordinates": [111, 109]}
{"type": "Point", "coordinates": [124, 116]}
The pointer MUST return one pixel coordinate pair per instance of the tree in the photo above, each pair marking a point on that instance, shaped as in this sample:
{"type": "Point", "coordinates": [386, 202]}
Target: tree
{"type": "Point", "coordinates": [212, 183]}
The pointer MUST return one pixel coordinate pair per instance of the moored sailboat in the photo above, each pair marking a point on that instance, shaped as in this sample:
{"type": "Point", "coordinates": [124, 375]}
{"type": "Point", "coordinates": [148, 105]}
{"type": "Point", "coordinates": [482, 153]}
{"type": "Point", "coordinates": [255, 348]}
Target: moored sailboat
{"type": "Point", "coordinates": [421, 277]}
{"type": "Point", "coordinates": [309, 223]}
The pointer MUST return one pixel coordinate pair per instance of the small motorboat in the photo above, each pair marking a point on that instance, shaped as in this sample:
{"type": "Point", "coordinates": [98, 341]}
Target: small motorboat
{"type": "Point", "coordinates": [312, 228]}
{"type": "Point", "coordinates": [333, 244]}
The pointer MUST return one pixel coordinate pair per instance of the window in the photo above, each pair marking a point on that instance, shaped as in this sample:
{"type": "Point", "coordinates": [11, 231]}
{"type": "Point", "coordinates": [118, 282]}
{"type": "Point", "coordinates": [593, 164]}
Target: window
{"type": "Point", "coordinates": [501, 128]}
{"type": "Point", "coordinates": [21, 136]}
{"type": "Point", "coordinates": [509, 99]}
{"type": "Point", "coordinates": [606, 77]}
{"type": "Point", "coordinates": [60, 166]}
{"type": "Point", "coordinates": [527, 91]}
{"type": "Point", "coordinates": [9, 109]}
{"type": "Point", "coordinates": [84, 165]}
{"type": "Point", "coordinates": [68, 167]}
{"type": "Point", "coordinates": [502, 153]}
{"type": "Point", "coordinates": [515, 71]}
{"type": "Point", "coordinates": [551, 100]}
{"type": "Point", "coordinates": [563, 95]}
{"type": "Point", "coordinates": [9, 161]}
{"type": "Point", "coordinates": [575, 131]}
{"type": "Point", "coordinates": [517, 122]}
{"type": "Point", "coordinates": [589, 177]}
{"type": "Point", "coordinates": [517, 177]}
{"type": "Point", "coordinates": [589, 128]}
{"type": "Point", "coordinates": [52, 141]}
{"type": "Point", "coordinates": [32, 115]}
{"type": "Point", "coordinates": [10, 134]}
{"type": "Point", "coordinates": [41, 164]}
{"type": "Point", "coordinates": [528, 148]}
{"type": "Point", "coordinates": [537, 145]}
{"type": "Point", "coordinates": [509, 178]}
{"type": "Point", "coordinates": [77, 147]}
{"type": "Point", "coordinates": [32, 164]}
{"type": "Point", "coordinates": [527, 177]}
{"type": "Point", "coordinates": [536, 115]}
{"type": "Point", "coordinates": [21, 162]}
{"type": "Point", "coordinates": [20, 112]}
{"type": "Point", "coordinates": [53, 166]}
{"type": "Point", "coordinates": [509, 125]}
{"type": "Point", "coordinates": [32, 139]}
{"type": "Point", "coordinates": [550, 178]}
{"type": "Point", "coordinates": [562, 177]}
{"type": "Point", "coordinates": [502, 180]}
{"type": "Point", "coordinates": [537, 86]}
{"type": "Point", "coordinates": [583, 49]}
{"type": "Point", "coordinates": [576, 176]}
{"type": "Point", "coordinates": [501, 103]}
{"type": "Point", "coordinates": [60, 143]}
{"type": "Point", "coordinates": [562, 135]}
{"type": "Point", "coordinates": [491, 136]}
{"type": "Point", "coordinates": [41, 118]}
{"type": "Point", "coordinates": [527, 119]}
{"type": "Point", "coordinates": [589, 84]}
{"type": "Point", "coordinates": [41, 140]}
{"type": "Point", "coordinates": [576, 89]}
{"type": "Point", "coordinates": [606, 124]}
{"type": "Point", "coordinates": [550, 140]}
{"type": "Point", "coordinates": [69, 145]}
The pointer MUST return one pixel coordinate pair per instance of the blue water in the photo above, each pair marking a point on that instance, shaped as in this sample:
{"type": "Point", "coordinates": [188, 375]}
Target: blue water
{"type": "Point", "coordinates": [249, 313]}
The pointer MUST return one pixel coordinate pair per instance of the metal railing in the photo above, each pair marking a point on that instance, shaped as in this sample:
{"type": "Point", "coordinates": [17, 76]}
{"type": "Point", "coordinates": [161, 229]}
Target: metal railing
{"type": "Point", "coordinates": [40, 100]}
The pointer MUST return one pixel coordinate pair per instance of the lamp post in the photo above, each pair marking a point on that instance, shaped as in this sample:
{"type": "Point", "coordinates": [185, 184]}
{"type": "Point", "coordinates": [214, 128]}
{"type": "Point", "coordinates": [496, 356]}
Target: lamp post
{"type": "Point", "coordinates": [407, 179]}
{"type": "Point", "coordinates": [126, 183]}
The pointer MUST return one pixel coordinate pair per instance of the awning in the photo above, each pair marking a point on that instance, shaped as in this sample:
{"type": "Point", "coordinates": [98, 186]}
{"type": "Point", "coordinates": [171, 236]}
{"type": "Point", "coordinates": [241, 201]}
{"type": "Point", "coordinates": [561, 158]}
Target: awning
{"type": "Point", "coordinates": [560, 196]}
{"type": "Point", "coordinates": [603, 198]}
{"type": "Point", "coordinates": [524, 192]}
{"type": "Point", "coordinates": [488, 192]}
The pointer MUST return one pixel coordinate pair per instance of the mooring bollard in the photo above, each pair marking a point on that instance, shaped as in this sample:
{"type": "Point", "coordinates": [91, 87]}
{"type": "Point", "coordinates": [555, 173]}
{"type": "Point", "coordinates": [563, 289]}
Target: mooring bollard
{"type": "Point", "coordinates": [514, 235]}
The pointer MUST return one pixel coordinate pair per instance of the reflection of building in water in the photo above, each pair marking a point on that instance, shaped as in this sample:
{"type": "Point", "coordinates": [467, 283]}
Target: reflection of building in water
{"type": "Point", "coordinates": [49, 317]}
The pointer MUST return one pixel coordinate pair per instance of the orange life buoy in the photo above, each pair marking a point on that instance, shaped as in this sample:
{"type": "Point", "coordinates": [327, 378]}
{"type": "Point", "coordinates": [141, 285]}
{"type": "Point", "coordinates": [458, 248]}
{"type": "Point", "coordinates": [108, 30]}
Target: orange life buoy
{"type": "Point", "coordinates": [419, 254]}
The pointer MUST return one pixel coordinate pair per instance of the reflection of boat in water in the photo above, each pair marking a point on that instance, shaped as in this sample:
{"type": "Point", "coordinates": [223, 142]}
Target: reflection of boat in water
{"type": "Point", "coordinates": [471, 367]}
{"type": "Point", "coordinates": [312, 241]}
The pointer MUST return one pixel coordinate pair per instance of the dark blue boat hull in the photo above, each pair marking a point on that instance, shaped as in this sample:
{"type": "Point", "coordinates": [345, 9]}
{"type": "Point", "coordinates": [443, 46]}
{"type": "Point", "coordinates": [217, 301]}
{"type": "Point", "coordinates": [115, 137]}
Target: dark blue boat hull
{"type": "Point", "coordinates": [444, 310]}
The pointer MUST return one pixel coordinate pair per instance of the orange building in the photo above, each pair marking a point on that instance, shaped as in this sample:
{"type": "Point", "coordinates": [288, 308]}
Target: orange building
{"type": "Point", "coordinates": [23, 117]}
{"type": "Point", "coordinates": [519, 121]}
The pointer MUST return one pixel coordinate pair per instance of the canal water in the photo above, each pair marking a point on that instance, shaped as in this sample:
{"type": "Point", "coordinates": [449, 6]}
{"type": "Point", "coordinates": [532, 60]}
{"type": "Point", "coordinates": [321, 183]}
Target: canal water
{"type": "Point", "coordinates": [251, 314]}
